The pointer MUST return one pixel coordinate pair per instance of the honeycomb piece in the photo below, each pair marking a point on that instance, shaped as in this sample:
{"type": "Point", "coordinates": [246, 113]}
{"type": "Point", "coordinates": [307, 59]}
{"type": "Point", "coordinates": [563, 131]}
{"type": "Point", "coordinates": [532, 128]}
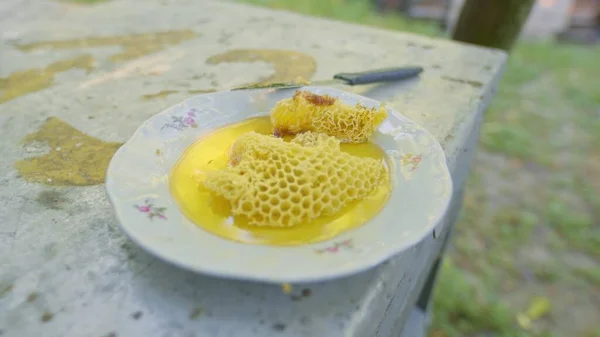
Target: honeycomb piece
{"type": "Point", "coordinates": [306, 111]}
{"type": "Point", "coordinates": [282, 184]}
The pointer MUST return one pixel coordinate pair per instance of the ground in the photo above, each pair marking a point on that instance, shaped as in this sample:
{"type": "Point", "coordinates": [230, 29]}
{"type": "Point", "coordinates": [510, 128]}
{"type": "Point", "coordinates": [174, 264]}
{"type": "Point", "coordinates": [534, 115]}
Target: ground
{"type": "Point", "coordinates": [525, 259]}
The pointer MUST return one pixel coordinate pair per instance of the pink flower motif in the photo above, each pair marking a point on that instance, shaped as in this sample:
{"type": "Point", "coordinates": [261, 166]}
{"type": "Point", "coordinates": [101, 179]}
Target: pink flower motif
{"type": "Point", "coordinates": [182, 122]}
{"type": "Point", "coordinates": [336, 247]}
{"type": "Point", "coordinates": [151, 210]}
{"type": "Point", "coordinates": [144, 209]}
{"type": "Point", "coordinates": [347, 243]}
{"type": "Point", "coordinates": [411, 160]}
{"type": "Point", "coordinates": [189, 121]}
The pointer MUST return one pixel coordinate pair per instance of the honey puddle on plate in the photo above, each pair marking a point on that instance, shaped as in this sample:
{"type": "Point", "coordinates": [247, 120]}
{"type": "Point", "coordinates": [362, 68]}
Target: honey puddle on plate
{"type": "Point", "coordinates": [212, 213]}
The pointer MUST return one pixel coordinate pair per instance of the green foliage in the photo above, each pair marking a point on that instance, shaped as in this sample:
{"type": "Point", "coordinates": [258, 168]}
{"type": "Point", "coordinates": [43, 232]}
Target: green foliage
{"type": "Point", "coordinates": [576, 227]}
{"type": "Point", "coordinates": [85, 2]}
{"type": "Point", "coordinates": [463, 309]}
{"type": "Point", "coordinates": [592, 275]}
{"type": "Point", "coordinates": [354, 11]}
{"type": "Point", "coordinates": [545, 87]}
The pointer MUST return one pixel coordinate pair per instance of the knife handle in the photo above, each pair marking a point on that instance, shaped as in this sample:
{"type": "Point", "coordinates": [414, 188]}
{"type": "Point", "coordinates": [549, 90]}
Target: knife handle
{"type": "Point", "coordinates": [381, 75]}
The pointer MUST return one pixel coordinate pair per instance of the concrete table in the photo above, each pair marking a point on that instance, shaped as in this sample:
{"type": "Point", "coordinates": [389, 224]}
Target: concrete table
{"type": "Point", "coordinates": [76, 81]}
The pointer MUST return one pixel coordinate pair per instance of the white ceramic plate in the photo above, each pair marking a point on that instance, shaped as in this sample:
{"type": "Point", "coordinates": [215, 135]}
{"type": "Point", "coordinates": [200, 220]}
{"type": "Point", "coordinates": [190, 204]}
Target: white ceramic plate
{"type": "Point", "coordinates": [137, 186]}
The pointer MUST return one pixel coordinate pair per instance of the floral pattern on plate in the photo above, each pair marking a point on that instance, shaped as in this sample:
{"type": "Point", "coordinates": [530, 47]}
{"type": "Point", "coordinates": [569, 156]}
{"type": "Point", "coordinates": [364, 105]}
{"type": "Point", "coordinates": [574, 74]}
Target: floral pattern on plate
{"type": "Point", "coordinates": [151, 210]}
{"type": "Point", "coordinates": [182, 122]}
{"type": "Point", "coordinates": [336, 247]}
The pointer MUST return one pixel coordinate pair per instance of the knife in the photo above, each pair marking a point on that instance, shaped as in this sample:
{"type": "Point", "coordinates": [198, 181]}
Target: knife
{"type": "Point", "coordinates": [365, 77]}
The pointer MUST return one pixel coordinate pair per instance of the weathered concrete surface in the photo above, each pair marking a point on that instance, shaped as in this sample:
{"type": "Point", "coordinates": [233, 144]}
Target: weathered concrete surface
{"type": "Point", "coordinates": [97, 72]}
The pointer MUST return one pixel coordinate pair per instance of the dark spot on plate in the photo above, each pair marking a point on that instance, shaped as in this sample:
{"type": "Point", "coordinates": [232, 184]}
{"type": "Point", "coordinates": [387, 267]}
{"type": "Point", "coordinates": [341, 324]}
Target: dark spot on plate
{"type": "Point", "coordinates": [5, 289]}
{"type": "Point", "coordinates": [306, 292]}
{"type": "Point", "coordinates": [47, 317]}
{"type": "Point", "coordinates": [111, 334]}
{"type": "Point", "coordinates": [196, 312]}
{"type": "Point", "coordinates": [32, 297]}
{"type": "Point", "coordinates": [137, 315]}
{"type": "Point", "coordinates": [279, 327]}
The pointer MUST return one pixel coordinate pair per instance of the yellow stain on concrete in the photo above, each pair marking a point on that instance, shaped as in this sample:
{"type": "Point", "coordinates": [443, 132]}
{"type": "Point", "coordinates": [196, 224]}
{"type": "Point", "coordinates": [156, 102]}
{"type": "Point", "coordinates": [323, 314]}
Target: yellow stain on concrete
{"type": "Point", "coordinates": [161, 94]}
{"type": "Point", "coordinates": [201, 91]}
{"type": "Point", "coordinates": [151, 65]}
{"type": "Point", "coordinates": [288, 64]}
{"type": "Point", "coordinates": [31, 80]}
{"type": "Point", "coordinates": [133, 46]}
{"type": "Point", "coordinates": [84, 2]}
{"type": "Point", "coordinates": [74, 159]}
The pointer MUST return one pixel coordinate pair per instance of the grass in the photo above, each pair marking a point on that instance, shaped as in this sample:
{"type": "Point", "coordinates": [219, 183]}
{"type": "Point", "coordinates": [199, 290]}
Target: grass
{"type": "Point", "coordinates": [591, 275]}
{"type": "Point", "coordinates": [85, 2]}
{"type": "Point", "coordinates": [354, 11]}
{"type": "Point", "coordinates": [576, 227]}
{"type": "Point", "coordinates": [464, 309]}
{"type": "Point", "coordinates": [541, 237]}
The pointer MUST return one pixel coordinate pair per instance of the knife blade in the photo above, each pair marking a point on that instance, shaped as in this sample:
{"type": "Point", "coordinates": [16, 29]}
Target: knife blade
{"type": "Point", "coordinates": [364, 77]}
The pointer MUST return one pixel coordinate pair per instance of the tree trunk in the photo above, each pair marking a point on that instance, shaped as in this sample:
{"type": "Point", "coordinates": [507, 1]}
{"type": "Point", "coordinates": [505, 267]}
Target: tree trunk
{"type": "Point", "coordinates": [492, 23]}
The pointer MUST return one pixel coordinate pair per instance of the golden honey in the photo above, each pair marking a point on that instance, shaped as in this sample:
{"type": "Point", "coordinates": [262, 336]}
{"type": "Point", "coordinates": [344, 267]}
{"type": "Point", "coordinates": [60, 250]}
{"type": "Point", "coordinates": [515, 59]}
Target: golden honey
{"type": "Point", "coordinates": [212, 213]}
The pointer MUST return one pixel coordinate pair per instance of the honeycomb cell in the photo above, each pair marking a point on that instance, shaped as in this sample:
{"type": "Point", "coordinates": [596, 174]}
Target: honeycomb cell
{"type": "Point", "coordinates": [306, 111]}
{"type": "Point", "coordinates": [335, 203]}
{"type": "Point", "coordinates": [306, 204]}
{"type": "Point", "coordinates": [296, 211]}
{"type": "Point", "coordinates": [290, 178]}
{"type": "Point", "coordinates": [351, 192]}
{"type": "Point", "coordinates": [299, 190]}
{"type": "Point", "coordinates": [247, 206]}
